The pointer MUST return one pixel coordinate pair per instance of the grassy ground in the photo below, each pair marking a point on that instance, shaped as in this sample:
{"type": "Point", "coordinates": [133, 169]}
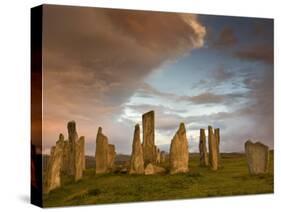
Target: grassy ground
{"type": "Point", "coordinates": [231, 179]}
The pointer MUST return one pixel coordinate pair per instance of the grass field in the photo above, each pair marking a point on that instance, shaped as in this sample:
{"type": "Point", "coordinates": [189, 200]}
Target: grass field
{"type": "Point", "coordinates": [231, 179]}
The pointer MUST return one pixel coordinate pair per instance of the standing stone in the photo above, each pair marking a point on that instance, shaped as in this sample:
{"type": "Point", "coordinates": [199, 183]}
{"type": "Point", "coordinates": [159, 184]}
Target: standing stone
{"type": "Point", "coordinates": [70, 156]}
{"type": "Point", "coordinates": [111, 157]}
{"type": "Point", "coordinates": [257, 155]}
{"type": "Point", "coordinates": [84, 161]}
{"type": "Point", "coordinates": [155, 154]}
{"type": "Point", "coordinates": [158, 156]}
{"type": "Point", "coordinates": [53, 172]}
{"type": "Point", "coordinates": [162, 157]}
{"type": "Point", "coordinates": [101, 155]}
{"type": "Point", "coordinates": [151, 169]}
{"type": "Point", "coordinates": [137, 163]}
{"type": "Point", "coordinates": [148, 137]}
{"type": "Point", "coordinates": [217, 135]}
{"type": "Point", "coordinates": [167, 157]}
{"type": "Point", "coordinates": [72, 139]}
{"type": "Point", "coordinates": [65, 155]}
{"type": "Point", "coordinates": [213, 149]}
{"type": "Point", "coordinates": [179, 155]}
{"type": "Point", "coordinates": [79, 158]}
{"type": "Point", "coordinates": [203, 148]}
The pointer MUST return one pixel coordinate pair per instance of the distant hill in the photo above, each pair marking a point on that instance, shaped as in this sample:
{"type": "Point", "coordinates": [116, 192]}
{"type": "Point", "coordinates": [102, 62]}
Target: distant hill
{"type": "Point", "coordinates": [90, 160]}
{"type": "Point", "coordinates": [123, 158]}
{"type": "Point", "coordinates": [120, 159]}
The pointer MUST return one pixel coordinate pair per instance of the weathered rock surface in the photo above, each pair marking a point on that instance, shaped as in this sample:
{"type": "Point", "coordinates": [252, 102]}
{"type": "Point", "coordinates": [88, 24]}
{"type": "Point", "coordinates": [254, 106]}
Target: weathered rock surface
{"type": "Point", "coordinates": [257, 155]}
{"type": "Point", "coordinates": [137, 162]}
{"type": "Point", "coordinates": [158, 156]}
{"type": "Point", "coordinates": [213, 149]}
{"type": "Point", "coordinates": [101, 155]}
{"type": "Point", "coordinates": [151, 169]}
{"type": "Point", "coordinates": [179, 155]}
{"type": "Point", "coordinates": [79, 158]}
{"type": "Point", "coordinates": [217, 135]}
{"type": "Point", "coordinates": [111, 157]}
{"type": "Point", "coordinates": [203, 149]}
{"type": "Point", "coordinates": [72, 139]}
{"type": "Point", "coordinates": [53, 172]}
{"type": "Point", "coordinates": [148, 138]}
{"type": "Point", "coordinates": [65, 155]}
{"type": "Point", "coordinates": [84, 156]}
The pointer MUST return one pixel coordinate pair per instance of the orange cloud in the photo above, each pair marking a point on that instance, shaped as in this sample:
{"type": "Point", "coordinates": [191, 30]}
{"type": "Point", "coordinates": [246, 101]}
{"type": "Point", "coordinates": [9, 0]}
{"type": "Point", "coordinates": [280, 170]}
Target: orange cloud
{"type": "Point", "coordinates": [95, 59]}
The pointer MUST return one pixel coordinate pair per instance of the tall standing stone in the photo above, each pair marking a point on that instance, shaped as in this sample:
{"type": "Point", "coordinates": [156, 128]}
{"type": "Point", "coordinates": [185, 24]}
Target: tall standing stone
{"type": "Point", "coordinates": [65, 155]}
{"type": "Point", "coordinates": [53, 172]}
{"type": "Point", "coordinates": [257, 155]}
{"type": "Point", "coordinates": [101, 155]}
{"type": "Point", "coordinates": [148, 137]}
{"type": "Point", "coordinates": [84, 161]}
{"type": "Point", "coordinates": [72, 139]}
{"type": "Point", "coordinates": [217, 135]}
{"type": "Point", "coordinates": [213, 149]}
{"type": "Point", "coordinates": [111, 157]}
{"type": "Point", "coordinates": [203, 148]}
{"type": "Point", "coordinates": [179, 155]}
{"type": "Point", "coordinates": [79, 158]}
{"type": "Point", "coordinates": [137, 163]}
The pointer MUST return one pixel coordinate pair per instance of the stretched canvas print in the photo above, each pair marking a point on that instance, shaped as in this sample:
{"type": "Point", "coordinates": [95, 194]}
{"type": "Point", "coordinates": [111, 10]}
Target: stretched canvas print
{"type": "Point", "coordinates": [132, 105]}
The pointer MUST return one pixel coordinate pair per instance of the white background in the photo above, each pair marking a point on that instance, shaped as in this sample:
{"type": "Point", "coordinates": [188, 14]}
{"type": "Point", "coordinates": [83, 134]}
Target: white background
{"type": "Point", "coordinates": [15, 103]}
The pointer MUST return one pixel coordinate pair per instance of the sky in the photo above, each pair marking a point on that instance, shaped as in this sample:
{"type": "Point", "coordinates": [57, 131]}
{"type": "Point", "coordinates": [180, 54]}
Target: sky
{"type": "Point", "coordinates": [106, 67]}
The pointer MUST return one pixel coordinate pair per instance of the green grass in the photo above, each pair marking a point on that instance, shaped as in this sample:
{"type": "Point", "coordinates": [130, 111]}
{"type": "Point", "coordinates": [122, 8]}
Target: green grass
{"type": "Point", "coordinates": [231, 179]}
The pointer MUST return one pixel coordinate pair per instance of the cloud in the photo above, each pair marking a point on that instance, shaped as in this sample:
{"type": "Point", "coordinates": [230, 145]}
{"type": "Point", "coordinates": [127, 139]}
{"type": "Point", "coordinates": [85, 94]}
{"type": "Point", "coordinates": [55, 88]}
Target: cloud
{"type": "Point", "coordinates": [212, 98]}
{"type": "Point", "coordinates": [163, 33]}
{"type": "Point", "coordinates": [95, 59]}
{"type": "Point", "coordinates": [221, 74]}
{"type": "Point", "coordinates": [216, 77]}
{"type": "Point", "coordinates": [146, 90]}
{"type": "Point", "coordinates": [260, 47]}
{"type": "Point", "coordinates": [226, 38]}
{"type": "Point", "coordinates": [254, 119]}
{"type": "Point", "coordinates": [203, 98]}
{"type": "Point", "coordinates": [263, 29]}
{"type": "Point", "coordinates": [251, 120]}
{"type": "Point", "coordinates": [263, 53]}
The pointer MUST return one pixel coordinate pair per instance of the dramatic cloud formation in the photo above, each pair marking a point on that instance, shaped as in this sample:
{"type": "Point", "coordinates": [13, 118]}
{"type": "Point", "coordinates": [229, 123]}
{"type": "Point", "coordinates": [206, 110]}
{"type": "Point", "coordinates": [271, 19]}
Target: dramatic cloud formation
{"type": "Point", "coordinates": [259, 52]}
{"type": "Point", "coordinates": [209, 98]}
{"type": "Point", "coordinates": [94, 60]}
{"type": "Point", "coordinates": [106, 67]}
{"type": "Point", "coordinates": [226, 38]}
